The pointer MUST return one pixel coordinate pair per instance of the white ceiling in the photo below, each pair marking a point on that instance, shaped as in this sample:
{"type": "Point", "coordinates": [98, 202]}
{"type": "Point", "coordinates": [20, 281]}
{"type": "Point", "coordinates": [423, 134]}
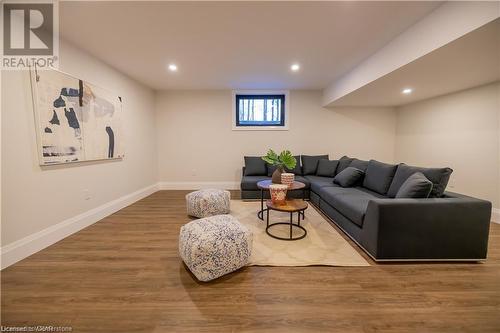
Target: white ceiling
{"type": "Point", "coordinates": [469, 61]}
{"type": "Point", "coordinates": [248, 45]}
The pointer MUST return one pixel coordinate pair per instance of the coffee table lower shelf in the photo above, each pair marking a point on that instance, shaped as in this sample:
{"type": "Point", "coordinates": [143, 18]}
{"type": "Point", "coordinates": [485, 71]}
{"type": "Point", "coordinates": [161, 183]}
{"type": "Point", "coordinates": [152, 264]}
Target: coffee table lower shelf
{"type": "Point", "coordinates": [290, 206]}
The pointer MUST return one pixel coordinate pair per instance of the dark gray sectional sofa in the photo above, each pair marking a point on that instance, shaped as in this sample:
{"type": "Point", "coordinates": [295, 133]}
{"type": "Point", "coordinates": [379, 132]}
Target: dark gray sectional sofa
{"type": "Point", "coordinates": [444, 226]}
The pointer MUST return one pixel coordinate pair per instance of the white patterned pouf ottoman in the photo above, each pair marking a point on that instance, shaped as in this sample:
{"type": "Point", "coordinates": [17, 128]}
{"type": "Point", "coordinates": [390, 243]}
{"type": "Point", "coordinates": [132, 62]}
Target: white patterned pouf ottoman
{"type": "Point", "coordinates": [214, 246]}
{"type": "Point", "coordinates": [209, 202]}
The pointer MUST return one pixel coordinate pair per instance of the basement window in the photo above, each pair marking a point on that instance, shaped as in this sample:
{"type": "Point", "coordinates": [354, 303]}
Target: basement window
{"type": "Point", "coordinates": [260, 110]}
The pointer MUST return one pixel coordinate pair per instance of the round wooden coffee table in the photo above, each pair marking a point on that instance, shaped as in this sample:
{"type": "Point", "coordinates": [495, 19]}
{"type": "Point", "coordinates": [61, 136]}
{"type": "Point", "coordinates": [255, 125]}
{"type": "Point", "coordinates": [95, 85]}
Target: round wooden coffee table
{"type": "Point", "coordinates": [289, 206]}
{"type": "Point", "coordinates": [264, 185]}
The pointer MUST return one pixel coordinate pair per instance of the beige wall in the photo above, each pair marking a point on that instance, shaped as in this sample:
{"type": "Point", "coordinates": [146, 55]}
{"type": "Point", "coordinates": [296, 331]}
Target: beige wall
{"type": "Point", "coordinates": [459, 130]}
{"type": "Point", "coordinates": [196, 142]}
{"type": "Point", "coordinates": [33, 198]}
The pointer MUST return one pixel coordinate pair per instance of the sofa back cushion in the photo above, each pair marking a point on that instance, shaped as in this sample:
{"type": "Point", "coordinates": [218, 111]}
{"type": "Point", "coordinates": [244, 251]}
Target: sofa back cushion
{"type": "Point", "coordinates": [438, 176]}
{"type": "Point", "coordinates": [359, 164]}
{"type": "Point", "coordinates": [255, 166]}
{"type": "Point", "coordinates": [378, 176]}
{"type": "Point", "coordinates": [310, 163]}
{"type": "Point", "coordinates": [416, 186]}
{"type": "Point", "coordinates": [344, 162]}
{"type": "Point", "coordinates": [327, 168]}
{"type": "Point", "coordinates": [348, 177]}
{"type": "Point", "coordinates": [297, 170]}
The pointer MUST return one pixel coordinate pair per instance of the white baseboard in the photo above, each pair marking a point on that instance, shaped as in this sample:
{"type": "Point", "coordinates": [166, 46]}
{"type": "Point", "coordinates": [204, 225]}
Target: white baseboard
{"type": "Point", "coordinates": [31, 244]}
{"type": "Point", "coordinates": [198, 185]}
{"type": "Point", "coordinates": [495, 215]}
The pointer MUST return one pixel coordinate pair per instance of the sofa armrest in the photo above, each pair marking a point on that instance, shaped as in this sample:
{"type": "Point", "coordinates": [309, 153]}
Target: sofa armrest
{"type": "Point", "coordinates": [453, 227]}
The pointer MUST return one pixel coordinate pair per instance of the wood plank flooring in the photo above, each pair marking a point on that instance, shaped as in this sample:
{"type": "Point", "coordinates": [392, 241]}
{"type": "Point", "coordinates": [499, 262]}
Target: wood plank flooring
{"type": "Point", "coordinates": [123, 274]}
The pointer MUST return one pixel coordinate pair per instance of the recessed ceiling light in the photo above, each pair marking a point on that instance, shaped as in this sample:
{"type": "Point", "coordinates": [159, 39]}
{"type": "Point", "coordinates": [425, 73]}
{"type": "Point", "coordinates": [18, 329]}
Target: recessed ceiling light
{"type": "Point", "coordinates": [407, 91]}
{"type": "Point", "coordinates": [172, 67]}
{"type": "Point", "coordinates": [295, 67]}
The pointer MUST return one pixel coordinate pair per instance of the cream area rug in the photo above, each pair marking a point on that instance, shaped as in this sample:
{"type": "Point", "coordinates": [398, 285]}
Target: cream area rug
{"type": "Point", "coordinates": [323, 245]}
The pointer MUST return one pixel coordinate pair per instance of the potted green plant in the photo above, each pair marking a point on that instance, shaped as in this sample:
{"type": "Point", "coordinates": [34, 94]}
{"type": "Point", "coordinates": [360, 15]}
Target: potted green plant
{"type": "Point", "coordinates": [284, 160]}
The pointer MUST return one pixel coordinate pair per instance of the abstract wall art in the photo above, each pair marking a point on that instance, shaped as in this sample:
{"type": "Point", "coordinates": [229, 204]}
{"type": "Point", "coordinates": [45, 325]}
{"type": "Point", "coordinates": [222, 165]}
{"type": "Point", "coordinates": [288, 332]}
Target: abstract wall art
{"type": "Point", "coordinates": [76, 120]}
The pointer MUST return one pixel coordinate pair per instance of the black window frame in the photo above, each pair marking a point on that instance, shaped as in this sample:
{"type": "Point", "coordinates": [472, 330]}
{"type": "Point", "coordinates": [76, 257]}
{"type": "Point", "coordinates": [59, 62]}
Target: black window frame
{"type": "Point", "coordinates": [281, 97]}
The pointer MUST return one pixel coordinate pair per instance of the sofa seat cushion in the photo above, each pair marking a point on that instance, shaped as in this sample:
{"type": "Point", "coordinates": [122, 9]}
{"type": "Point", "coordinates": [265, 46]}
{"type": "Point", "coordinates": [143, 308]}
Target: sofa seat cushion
{"type": "Point", "coordinates": [250, 182]}
{"type": "Point", "coordinates": [318, 182]}
{"type": "Point", "coordinates": [304, 180]}
{"type": "Point", "coordinates": [372, 193]}
{"type": "Point", "coordinates": [328, 192]}
{"type": "Point", "coordinates": [352, 205]}
{"type": "Point", "coordinates": [351, 202]}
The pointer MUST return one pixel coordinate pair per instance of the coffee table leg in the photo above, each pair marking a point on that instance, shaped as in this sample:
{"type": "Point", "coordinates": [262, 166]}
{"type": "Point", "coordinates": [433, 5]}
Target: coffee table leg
{"type": "Point", "coordinates": [298, 218]}
{"type": "Point", "coordinates": [267, 224]}
{"type": "Point", "coordinates": [260, 214]}
{"type": "Point", "coordinates": [303, 198]}
{"type": "Point", "coordinates": [291, 222]}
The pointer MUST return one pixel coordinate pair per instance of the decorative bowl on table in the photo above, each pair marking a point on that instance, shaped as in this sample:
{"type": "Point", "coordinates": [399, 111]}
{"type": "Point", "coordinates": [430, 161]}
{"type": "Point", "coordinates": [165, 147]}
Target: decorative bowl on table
{"type": "Point", "coordinates": [287, 178]}
{"type": "Point", "coordinates": [278, 193]}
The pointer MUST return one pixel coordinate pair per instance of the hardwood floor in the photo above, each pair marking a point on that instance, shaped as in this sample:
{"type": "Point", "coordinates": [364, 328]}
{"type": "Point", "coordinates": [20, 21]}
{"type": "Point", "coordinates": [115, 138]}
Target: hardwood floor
{"type": "Point", "coordinates": [123, 274]}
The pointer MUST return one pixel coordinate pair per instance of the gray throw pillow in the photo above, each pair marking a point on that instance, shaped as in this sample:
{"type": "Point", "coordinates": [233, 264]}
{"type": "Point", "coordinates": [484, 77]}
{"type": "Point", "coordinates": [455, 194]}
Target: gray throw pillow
{"type": "Point", "coordinates": [310, 163]}
{"type": "Point", "coordinates": [255, 166]}
{"type": "Point", "coordinates": [327, 168]}
{"type": "Point", "coordinates": [343, 163]}
{"type": "Point", "coordinates": [416, 186]}
{"type": "Point", "coordinates": [438, 176]}
{"type": "Point", "coordinates": [348, 177]}
{"type": "Point", "coordinates": [379, 176]}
